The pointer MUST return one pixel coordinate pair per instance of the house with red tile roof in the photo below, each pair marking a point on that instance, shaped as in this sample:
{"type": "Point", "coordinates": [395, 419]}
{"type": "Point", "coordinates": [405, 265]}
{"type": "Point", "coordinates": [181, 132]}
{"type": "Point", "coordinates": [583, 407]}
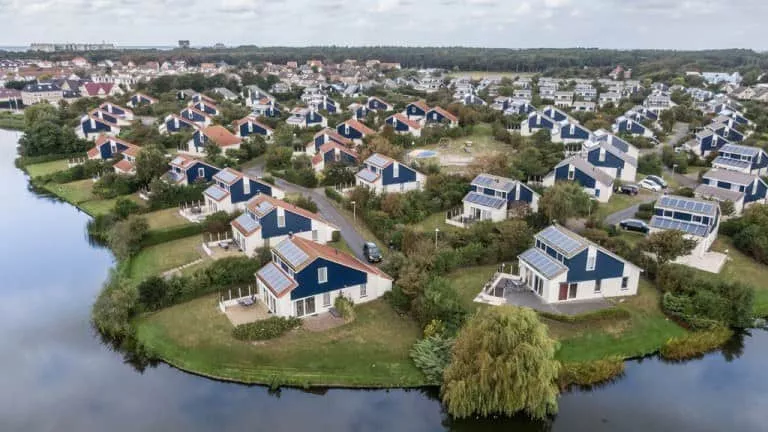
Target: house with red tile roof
{"type": "Point", "coordinates": [268, 221]}
{"type": "Point", "coordinates": [250, 125]}
{"type": "Point", "coordinates": [416, 110]}
{"type": "Point", "coordinates": [99, 90]}
{"type": "Point", "coordinates": [304, 279]}
{"type": "Point", "coordinates": [332, 153]}
{"type": "Point", "coordinates": [403, 125]}
{"type": "Point", "coordinates": [437, 115]}
{"type": "Point", "coordinates": [213, 135]}
{"type": "Point", "coordinates": [354, 130]}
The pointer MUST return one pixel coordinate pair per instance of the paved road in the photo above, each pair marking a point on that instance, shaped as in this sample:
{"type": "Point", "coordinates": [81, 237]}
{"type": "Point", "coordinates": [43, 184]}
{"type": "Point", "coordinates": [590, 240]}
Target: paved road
{"type": "Point", "coordinates": [348, 232]}
{"type": "Point", "coordinates": [679, 132]}
{"type": "Point", "coordinates": [629, 212]}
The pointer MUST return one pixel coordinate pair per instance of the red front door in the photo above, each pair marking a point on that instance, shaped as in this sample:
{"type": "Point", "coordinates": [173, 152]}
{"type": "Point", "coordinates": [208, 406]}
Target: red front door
{"type": "Point", "coordinates": [563, 292]}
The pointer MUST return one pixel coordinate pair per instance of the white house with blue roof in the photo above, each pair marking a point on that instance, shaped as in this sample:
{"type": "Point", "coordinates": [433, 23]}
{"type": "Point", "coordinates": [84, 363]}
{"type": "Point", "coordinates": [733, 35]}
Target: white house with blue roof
{"type": "Point", "coordinates": [232, 190]}
{"type": "Point", "coordinates": [304, 278]}
{"type": "Point", "coordinates": [563, 266]}
{"type": "Point", "coordinates": [596, 182]}
{"type": "Point", "coordinates": [382, 174]}
{"type": "Point", "coordinates": [745, 159]}
{"type": "Point", "coordinates": [306, 117]}
{"type": "Point", "coordinates": [268, 221]}
{"type": "Point", "coordinates": [494, 198]}
{"type": "Point", "coordinates": [727, 129]}
{"type": "Point", "coordinates": [698, 219]}
{"type": "Point", "coordinates": [537, 121]}
{"type": "Point", "coordinates": [739, 188]}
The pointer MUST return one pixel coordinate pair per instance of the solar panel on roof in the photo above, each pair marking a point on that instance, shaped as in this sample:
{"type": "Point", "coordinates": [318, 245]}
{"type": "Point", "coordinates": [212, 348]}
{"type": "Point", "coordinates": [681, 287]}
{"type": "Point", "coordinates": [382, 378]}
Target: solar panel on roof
{"type": "Point", "coordinates": [178, 161]}
{"type": "Point", "coordinates": [216, 192]}
{"type": "Point", "coordinates": [735, 163]}
{"type": "Point", "coordinates": [249, 224]}
{"type": "Point", "coordinates": [368, 175]}
{"type": "Point", "coordinates": [559, 240]}
{"type": "Point", "coordinates": [292, 253]}
{"type": "Point", "coordinates": [674, 224]}
{"type": "Point", "coordinates": [494, 182]}
{"type": "Point", "coordinates": [740, 150]}
{"type": "Point", "coordinates": [275, 278]}
{"type": "Point", "coordinates": [485, 200]}
{"type": "Point", "coordinates": [687, 204]}
{"type": "Point", "coordinates": [378, 160]}
{"type": "Point", "coordinates": [226, 176]}
{"type": "Point", "coordinates": [264, 207]}
{"type": "Point", "coordinates": [542, 262]}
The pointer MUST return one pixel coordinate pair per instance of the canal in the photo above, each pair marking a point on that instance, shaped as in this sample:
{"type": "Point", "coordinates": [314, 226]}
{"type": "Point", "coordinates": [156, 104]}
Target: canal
{"type": "Point", "coordinates": [56, 375]}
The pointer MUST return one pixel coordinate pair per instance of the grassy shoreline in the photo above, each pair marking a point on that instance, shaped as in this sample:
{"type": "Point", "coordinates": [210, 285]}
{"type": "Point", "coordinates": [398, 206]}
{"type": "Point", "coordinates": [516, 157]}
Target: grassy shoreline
{"type": "Point", "coordinates": [373, 351]}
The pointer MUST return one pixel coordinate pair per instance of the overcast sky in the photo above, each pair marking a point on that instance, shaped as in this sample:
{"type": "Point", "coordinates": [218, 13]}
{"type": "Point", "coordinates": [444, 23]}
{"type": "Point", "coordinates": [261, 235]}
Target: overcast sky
{"type": "Point", "coordinates": [680, 24]}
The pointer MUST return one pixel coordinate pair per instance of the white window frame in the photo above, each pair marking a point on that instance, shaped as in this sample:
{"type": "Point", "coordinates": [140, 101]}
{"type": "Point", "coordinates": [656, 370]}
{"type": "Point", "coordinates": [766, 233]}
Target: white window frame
{"type": "Point", "coordinates": [571, 174]}
{"type": "Point", "coordinates": [327, 299]}
{"type": "Point", "coordinates": [591, 259]}
{"type": "Point", "coordinates": [322, 275]}
{"type": "Point", "coordinates": [280, 218]}
{"type": "Point", "coordinates": [246, 186]}
{"type": "Point", "coordinates": [201, 172]}
{"type": "Point", "coordinates": [396, 170]}
{"type": "Point", "coordinates": [363, 291]}
{"type": "Point", "coordinates": [598, 287]}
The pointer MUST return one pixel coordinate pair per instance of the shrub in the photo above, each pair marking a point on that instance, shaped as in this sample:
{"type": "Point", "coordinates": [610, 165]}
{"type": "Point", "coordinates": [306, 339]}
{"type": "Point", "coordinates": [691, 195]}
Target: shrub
{"type": "Point", "coordinates": [164, 195]}
{"type": "Point", "coordinates": [432, 355]}
{"type": "Point", "coordinates": [590, 373]}
{"type": "Point", "coordinates": [156, 237]}
{"type": "Point", "coordinates": [125, 207]}
{"type": "Point", "coordinates": [345, 307]}
{"type": "Point", "coordinates": [335, 236]}
{"type": "Point", "coordinates": [304, 177]}
{"type": "Point", "coordinates": [695, 344]}
{"type": "Point", "coordinates": [440, 301]}
{"type": "Point", "coordinates": [218, 222]}
{"type": "Point", "coordinates": [333, 194]}
{"type": "Point", "coordinates": [306, 203]}
{"type": "Point", "coordinates": [269, 328]}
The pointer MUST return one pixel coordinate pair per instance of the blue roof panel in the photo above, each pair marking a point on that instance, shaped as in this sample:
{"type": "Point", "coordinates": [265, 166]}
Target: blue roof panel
{"type": "Point", "coordinates": [664, 223]}
{"type": "Point", "coordinates": [557, 238]}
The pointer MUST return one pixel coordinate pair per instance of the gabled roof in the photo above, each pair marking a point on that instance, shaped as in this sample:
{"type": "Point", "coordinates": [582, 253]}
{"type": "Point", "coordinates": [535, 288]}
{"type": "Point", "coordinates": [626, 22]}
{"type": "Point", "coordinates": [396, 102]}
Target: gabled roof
{"type": "Point", "coordinates": [379, 160]}
{"type": "Point", "coordinates": [333, 145]}
{"type": "Point", "coordinates": [740, 150]}
{"type": "Point", "coordinates": [276, 279]}
{"type": "Point", "coordinates": [216, 192]}
{"type": "Point", "coordinates": [184, 161]}
{"type": "Point", "coordinates": [124, 165]}
{"type": "Point", "coordinates": [734, 177]}
{"type": "Point", "coordinates": [254, 120]}
{"type": "Point", "coordinates": [444, 113]}
{"type": "Point", "coordinates": [315, 250]}
{"type": "Point", "coordinates": [183, 120]}
{"type": "Point", "coordinates": [666, 223]}
{"type": "Point", "coordinates": [368, 175]}
{"type": "Point", "coordinates": [484, 200]}
{"type": "Point", "coordinates": [246, 224]}
{"type": "Point", "coordinates": [221, 136]}
{"type": "Point", "coordinates": [562, 240]}
{"type": "Point", "coordinates": [403, 119]}
{"type": "Point", "coordinates": [688, 205]}
{"type": "Point", "coordinates": [583, 165]}
{"type": "Point", "coordinates": [228, 176]}
{"type": "Point", "coordinates": [93, 89]}
{"type": "Point", "coordinates": [104, 105]}
{"type": "Point", "coordinates": [263, 204]}
{"type": "Point", "coordinates": [333, 135]}
{"type": "Point", "coordinates": [494, 182]}
{"type": "Point", "coordinates": [359, 126]}
{"type": "Point", "coordinates": [616, 152]}
{"type": "Point", "coordinates": [712, 192]}
{"type": "Point", "coordinates": [197, 111]}
{"type": "Point", "coordinates": [543, 263]}
{"type": "Point", "coordinates": [380, 100]}
{"type": "Point", "coordinates": [420, 104]}
{"type": "Point", "coordinates": [145, 96]}
{"type": "Point", "coordinates": [98, 115]}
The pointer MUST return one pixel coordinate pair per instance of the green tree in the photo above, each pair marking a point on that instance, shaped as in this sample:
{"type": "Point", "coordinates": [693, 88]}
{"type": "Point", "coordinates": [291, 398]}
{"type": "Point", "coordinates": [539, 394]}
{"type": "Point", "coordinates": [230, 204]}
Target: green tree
{"type": "Point", "coordinates": [564, 200]}
{"type": "Point", "coordinates": [151, 164]}
{"type": "Point", "coordinates": [530, 162]}
{"type": "Point", "coordinates": [126, 236]}
{"type": "Point", "coordinates": [503, 362]}
{"type": "Point", "coordinates": [667, 245]}
{"type": "Point", "coordinates": [125, 207]}
{"type": "Point", "coordinates": [727, 208]}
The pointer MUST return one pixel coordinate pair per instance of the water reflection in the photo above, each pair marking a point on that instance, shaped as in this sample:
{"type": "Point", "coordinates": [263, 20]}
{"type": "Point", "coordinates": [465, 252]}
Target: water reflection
{"type": "Point", "coordinates": [56, 374]}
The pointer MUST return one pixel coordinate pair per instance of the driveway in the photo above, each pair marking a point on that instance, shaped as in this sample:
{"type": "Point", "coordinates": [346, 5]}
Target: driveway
{"type": "Point", "coordinates": [629, 212]}
{"type": "Point", "coordinates": [324, 206]}
{"type": "Point", "coordinates": [679, 132]}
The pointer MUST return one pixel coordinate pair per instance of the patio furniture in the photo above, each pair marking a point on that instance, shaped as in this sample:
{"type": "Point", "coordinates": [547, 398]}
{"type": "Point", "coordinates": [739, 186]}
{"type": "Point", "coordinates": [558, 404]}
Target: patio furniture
{"type": "Point", "coordinates": [334, 312]}
{"type": "Point", "coordinates": [247, 302]}
{"type": "Point", "coordinates": [224, 245]}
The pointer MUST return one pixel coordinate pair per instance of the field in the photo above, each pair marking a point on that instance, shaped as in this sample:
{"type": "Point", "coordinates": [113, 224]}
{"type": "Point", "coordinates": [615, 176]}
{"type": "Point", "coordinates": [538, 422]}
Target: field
{"type": "Point", "coordinates": [168, 218]}
{"type": "Point", "coordinates": [76, 192]}
{"type": "Point", "coordinates": [460, 152]}
{"type": "Point", "coordinates": [743, 268]}
{"type": "Point", "coordinates": [370, 351]}
{"type": "Point", "coordinates": [154, 260]}
{"type": "Point", "coordinates": [643, 332]}
{"type": "Point", "coordinates": [45, 168]}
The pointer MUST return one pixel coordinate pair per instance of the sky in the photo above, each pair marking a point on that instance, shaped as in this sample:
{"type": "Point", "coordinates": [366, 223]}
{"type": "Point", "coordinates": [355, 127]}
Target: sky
{"type": "Point", "coordinates": [622, 24]}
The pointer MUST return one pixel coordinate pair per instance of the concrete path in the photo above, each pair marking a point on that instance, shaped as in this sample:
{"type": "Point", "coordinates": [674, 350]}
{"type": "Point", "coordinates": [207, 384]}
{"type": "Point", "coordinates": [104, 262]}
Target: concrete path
{"type": "Point", "coordinates": [348, 232]}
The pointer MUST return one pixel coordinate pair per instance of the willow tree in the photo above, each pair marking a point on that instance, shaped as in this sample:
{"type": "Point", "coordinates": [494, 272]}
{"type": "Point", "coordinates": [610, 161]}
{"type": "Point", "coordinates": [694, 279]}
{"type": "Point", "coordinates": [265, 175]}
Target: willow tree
{"type": "Point", "coordinates": [503, 362]}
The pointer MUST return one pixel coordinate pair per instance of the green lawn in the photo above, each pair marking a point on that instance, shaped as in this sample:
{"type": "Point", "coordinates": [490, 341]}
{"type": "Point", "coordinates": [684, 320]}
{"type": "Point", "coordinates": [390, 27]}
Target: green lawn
{"type": "Point", "coordinates": [98, 207]}
{"type": "Point", "coordinates": [45, 168]}
{"type": "Point", "coordinates": [620, 201]}
{"type": "Point", "coordinates": [436, 220]}
{"type": "Point", "coordinates": [644, 332]}
{"type": "Point", "coordinates": [743, 268]}
{"type": "Point", "coordinates": [163, 257]}
{"type": "Point", "coordinates": [11, 121]}
{"type": "Point", "coordinates": [75, 192]}
{"type": "Point", "coordinates": [370, 351]}
{"type": "Point", "coordinates": [168, 218]}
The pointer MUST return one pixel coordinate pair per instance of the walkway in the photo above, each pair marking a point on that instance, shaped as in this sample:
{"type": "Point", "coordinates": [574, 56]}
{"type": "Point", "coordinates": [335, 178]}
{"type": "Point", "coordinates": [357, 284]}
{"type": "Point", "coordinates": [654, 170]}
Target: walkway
{"type": "Point", "coordinates": [324, 206]}
{"type": "Point", "coordinates": [629, 212]}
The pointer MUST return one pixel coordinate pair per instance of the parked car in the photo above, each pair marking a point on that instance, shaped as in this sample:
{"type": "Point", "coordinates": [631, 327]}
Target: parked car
{"type": "Point", "coordinates": [658, 180]}
{"type": "Point", "coordinates": [371, 252]}
{"type": "Point", "coordinates": [634, 225]}
{"type": "Point", "coordinates": [629, 189]}
{"type": "Point", "coordinates": [650, 185]}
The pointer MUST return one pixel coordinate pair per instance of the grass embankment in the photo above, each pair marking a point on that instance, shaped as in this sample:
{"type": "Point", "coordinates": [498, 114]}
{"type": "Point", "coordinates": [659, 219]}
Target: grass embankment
{"type": "Point", "coordinates": [371, 351]}
{"type": "Point", "coordinates": [163, 219]}
{"type": "Point", "coordinates": [157, 259]}
{"type": "Point", "coordinates": [742, 268]}
{"type": "Point", "coordinates": [80, 194]}
{"type": "Point", "coordinates": [45, 168]}
{"type": "Point", "coordinates": [11, 121]}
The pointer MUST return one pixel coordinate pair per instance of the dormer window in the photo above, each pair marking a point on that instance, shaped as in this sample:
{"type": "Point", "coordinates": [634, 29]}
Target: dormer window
{"type": "Point", "coordinates": [395, 170]}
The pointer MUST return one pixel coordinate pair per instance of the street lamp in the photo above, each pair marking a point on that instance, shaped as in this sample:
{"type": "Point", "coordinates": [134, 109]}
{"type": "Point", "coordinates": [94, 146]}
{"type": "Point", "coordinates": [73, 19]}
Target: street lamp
{"type": "Point", "coordinates": [354, 212]}
{"type": "Point", "coordinates": [437, 230]}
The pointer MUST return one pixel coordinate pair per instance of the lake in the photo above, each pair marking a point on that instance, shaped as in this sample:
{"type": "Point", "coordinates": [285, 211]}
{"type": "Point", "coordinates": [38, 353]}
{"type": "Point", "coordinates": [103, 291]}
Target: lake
{"type": "Point", "coordinates": [56, 375]}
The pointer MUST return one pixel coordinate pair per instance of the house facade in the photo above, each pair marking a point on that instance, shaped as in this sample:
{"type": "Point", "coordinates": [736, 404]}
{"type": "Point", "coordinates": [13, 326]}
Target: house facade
{"type": "Point", "coordinates": [97, 123]}
{"type": "Point", "coordinates": [354, 130]}
{"type": "Point", "coordinates": [596, 182]}
{"type": "Point", "coordinates": [108, 147]}
{"type": "Point", "coordinates": [741, 158]}
{"type": "Point", "coordinates": [185, 170]}
{"type": "Point", "coordinates": [437, 115]}
{"type": "Point", "coordinates": [698, 219]}
{"type": "Point", "coordinates": [614, 162]}
{"type": "Point", "coordinates": [232, 190]}
{"type": "Point", "coordinates": [332, 153]}
{"type": "Point", "coordinates": [304, 278]}
{"type": "Point", "coordinates": [212, 135]}
{"type": "Point", "coordinates": [563, 266]}
{"type": "Point", "coordinates": [267, 221]}
{"type": "Point", "coordinates": [306, 118]}
{"type": "Point", "coordinates": [174, 123]}
{"type": "Point", "coordinates": [494, 198]}
{"type": "Point", "coordinates": [139, 99]}
{"type": "Point", "coordinates": [383, 174]}
{"type": "Point", "coordinates": [249, 125]}
{"type": "Point", "coordinates": [739, 188]}
{"type": "Point", "coordinates": [402, 125]}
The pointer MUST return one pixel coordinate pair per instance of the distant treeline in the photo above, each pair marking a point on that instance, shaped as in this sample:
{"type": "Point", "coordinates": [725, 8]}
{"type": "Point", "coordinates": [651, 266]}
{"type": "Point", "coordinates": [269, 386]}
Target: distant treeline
{"type": "Point", "coordinates": [543, 60]}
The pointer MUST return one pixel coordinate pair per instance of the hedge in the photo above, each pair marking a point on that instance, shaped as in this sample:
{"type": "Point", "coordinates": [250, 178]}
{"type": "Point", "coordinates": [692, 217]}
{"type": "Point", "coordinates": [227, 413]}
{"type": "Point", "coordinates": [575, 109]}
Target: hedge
{"type": "Point", "coordinates": [155, 237]}
{"type": "Point", "coordinates": [695, 344]}
{"type": "Point", "coordinates": [269, 328]}
{"type": "Point", "coordinates": [612, 313]}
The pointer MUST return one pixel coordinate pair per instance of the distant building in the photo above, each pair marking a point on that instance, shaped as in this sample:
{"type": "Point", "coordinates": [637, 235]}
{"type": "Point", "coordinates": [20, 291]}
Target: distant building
{"type": "Point", "coordinates": [184, 44]}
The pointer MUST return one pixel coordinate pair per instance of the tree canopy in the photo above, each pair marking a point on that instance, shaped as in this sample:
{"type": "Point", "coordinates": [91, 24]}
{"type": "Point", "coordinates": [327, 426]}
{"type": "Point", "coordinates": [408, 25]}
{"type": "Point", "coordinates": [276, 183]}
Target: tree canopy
{"type": "Point", "coordinates": [503, 362]}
